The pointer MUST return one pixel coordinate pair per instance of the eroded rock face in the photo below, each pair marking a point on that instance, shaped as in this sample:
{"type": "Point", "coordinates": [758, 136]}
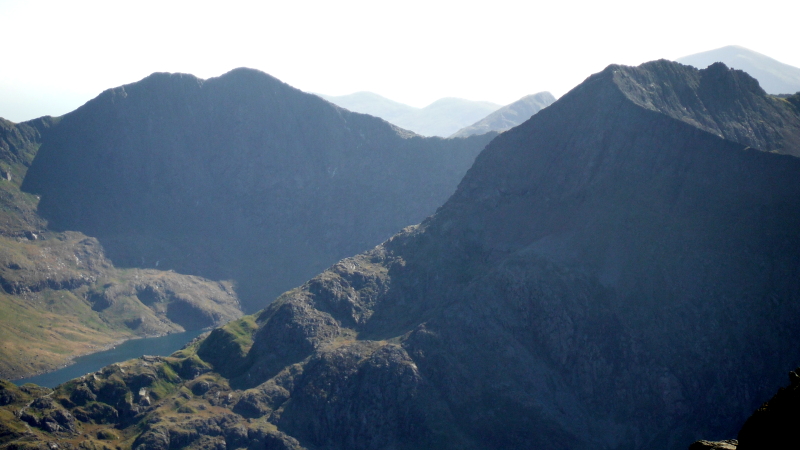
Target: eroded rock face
{"type": "Point", "coordinates": [702, 98]}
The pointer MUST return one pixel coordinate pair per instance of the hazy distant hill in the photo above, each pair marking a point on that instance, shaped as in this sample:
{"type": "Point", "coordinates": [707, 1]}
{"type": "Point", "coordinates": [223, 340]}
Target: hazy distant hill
{"type": "Point", "coordinates": [240, 177]}
{"type": "Point", "coordinates": [441, 118]}
{"type": "Point", "coordinates": [374, 105]}
{"type": "Point", "coordinates": [774, 76]}
{"type": "Point", "coordinates": [618, 272]}
{"type": "Point", "coordinates": [509, 116]}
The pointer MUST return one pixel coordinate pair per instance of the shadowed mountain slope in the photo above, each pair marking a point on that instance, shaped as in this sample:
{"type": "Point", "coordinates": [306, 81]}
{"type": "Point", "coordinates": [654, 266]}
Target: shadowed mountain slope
{"type": "Point", "coordinates": [620, 271]}
{"type": "Point", "coordinates": [608, 274]}
{"type": "Point", "coordinates": [240, 177]}
{"type": "Point", "coordinates": [774, 76]}
{"type": "Point", "coordinates": [441, 118]}
{"type": "Point", "coordinates": [60, 297]}
{"type": "Point", "coordinates": [509, 116]}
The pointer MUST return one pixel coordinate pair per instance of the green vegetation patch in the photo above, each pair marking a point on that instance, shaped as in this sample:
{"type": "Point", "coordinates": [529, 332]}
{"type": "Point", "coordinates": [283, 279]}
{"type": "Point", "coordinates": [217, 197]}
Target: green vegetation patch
{"type": "Point", "coordinates": [226, 347]}
{"type": "Point", "coordinates": [107, 435]}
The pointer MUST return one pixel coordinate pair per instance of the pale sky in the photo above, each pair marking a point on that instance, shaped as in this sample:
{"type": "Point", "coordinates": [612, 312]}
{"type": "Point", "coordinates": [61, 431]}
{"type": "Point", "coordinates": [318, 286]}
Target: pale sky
{"type": "Point", "coordinates": [60, 54]}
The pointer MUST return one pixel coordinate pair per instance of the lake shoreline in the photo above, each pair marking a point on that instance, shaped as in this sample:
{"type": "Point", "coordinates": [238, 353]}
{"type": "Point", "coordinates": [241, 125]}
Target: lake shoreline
{"type": "Point", "coordinates": [71, 359]}
{"type": "Point", "coordinates": [117, 351]}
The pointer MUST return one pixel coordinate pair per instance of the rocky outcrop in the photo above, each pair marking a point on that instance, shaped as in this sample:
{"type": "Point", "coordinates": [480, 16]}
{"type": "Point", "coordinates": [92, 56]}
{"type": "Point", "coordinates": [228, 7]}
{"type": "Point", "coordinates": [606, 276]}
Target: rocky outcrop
{"type": "Point", "coordinates": [240, 177]}
{"type": "Point", "coordinates": [19, 144]}
{"type": "Point", "coordinates": [702, 99]}
{"type": "Point", "coordinates": [714, 445]}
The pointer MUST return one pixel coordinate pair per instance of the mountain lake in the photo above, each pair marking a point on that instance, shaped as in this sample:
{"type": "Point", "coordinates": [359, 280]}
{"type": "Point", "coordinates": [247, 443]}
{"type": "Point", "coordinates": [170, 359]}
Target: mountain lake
{"type": "Point", "coordinates": [134, 348]}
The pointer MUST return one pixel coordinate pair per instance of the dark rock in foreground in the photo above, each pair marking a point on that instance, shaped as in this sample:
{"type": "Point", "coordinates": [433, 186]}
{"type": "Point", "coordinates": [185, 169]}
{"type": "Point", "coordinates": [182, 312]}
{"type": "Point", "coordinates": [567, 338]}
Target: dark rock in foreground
{"type": "Point", "coordinates": [775, 423]}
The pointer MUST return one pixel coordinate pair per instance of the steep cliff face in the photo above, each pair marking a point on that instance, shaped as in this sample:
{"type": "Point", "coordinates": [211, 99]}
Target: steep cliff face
{"type": "Point", "coordinates": [238, 177]}
{"type": "Point", "coordinates": [607, 275]}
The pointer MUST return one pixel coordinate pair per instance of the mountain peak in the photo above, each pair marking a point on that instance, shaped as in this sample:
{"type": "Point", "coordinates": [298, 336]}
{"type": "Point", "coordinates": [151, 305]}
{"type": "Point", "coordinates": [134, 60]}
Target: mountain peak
{"type": "Point", "coordinates": [774, 76]}
{"type": "Point", "coordinates": [725, 102]}
{"type": "Point", "coordinates": [250, 76]}
{"type": "Point", "coordinates": [220, 176]}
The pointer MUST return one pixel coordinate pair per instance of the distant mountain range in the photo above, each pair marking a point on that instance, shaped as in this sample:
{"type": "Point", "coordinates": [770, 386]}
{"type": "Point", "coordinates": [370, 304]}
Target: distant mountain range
{"type": "Point", "coordinates": [509, 116]}
{"type": "Point", "coordinates": [441, 118]}
{"type": "Point", "coordinates": [774, 76]}
{"type": "Point", "coordinates": [619, 271]}
{"type": "Point", "coordinates": [374, 105]}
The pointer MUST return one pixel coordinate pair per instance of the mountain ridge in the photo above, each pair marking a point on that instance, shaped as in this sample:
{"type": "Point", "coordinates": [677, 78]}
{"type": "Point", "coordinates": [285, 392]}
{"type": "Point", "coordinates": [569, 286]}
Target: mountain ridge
{"type": "Point", "coordinates": [709, 109]}
{"type": "Point", "coordinates": [216, 175]}
{"type": "Point", "coordinates": [441, 118]}
{"type": "Point", "coordinates": [475, 228]}
{"type": "Point", "coordinates": [774, 76]}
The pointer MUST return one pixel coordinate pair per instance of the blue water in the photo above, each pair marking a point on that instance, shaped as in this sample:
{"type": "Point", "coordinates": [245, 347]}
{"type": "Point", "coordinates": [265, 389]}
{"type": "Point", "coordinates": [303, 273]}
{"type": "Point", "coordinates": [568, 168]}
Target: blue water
{"type": "Point", "coordinates": [162, 346]}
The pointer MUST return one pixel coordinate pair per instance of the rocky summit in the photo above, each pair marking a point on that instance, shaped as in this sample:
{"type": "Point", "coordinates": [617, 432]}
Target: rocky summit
{"type": "Point", "coordinates": [239, 177]}
{"type": "Point", "coordinates": [620, 271]}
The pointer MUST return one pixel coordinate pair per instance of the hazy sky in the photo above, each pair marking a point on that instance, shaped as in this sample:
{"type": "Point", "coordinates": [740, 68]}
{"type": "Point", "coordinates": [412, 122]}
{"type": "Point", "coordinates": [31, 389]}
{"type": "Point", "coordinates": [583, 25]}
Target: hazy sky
{"type": "Point", "coordinates": [59, 54]}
